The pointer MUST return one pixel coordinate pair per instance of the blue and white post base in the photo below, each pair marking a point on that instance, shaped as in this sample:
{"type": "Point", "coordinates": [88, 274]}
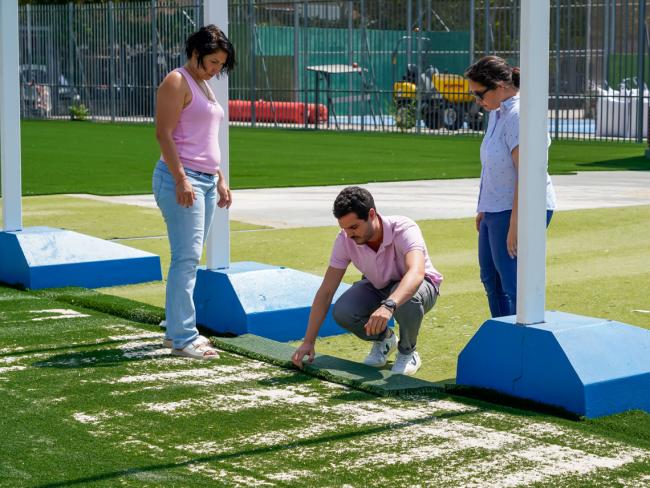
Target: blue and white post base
{"type": "Point", "coordinates": [588, 366]}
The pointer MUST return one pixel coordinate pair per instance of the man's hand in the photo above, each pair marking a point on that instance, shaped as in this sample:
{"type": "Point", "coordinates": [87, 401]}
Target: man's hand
{"type": "Point", "coordinates": [378, 321]}
{"type": "Point", "coordinates": [305, 349]}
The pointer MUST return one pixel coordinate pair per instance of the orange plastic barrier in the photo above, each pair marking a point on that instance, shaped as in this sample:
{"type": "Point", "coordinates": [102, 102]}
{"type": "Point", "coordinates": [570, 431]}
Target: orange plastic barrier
{"type": "Point", "coordinates": [281, 112]}
{"type": "Point", "coordinates": [311, 111]}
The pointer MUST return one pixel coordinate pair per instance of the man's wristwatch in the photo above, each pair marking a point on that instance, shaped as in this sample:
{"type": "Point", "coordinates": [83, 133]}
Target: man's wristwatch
{"type": "Point", "coordinates": [390, 304]}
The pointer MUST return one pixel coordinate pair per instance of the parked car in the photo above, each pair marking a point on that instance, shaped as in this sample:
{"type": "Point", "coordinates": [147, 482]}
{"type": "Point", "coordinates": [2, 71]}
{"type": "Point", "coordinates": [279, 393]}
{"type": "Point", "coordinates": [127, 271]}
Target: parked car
{"type": "Point", "coordinates": [42, 92]}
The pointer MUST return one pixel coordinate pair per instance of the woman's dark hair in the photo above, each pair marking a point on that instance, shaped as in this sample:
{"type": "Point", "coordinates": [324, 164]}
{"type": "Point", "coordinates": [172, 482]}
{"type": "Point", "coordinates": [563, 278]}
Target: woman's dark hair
{"type": "Point", "coordinates": [208, 40]}
{"type": "Point", "coordinates": [489, 71]}
{"type": "Point", "coordinates": [353, 199]}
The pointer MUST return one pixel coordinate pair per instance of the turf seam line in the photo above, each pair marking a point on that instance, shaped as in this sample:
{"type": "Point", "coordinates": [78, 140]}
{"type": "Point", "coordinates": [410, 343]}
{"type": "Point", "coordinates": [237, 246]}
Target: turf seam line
{"type": "Point", "coordinates": [361, 384]}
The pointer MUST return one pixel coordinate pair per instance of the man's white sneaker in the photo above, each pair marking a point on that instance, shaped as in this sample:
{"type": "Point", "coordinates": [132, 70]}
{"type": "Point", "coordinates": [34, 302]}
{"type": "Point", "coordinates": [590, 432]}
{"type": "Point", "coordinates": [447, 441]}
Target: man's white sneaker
{"type": "Point", "coordinates": [378, 355]}
{"type": "Point", "coordinates": [407, 364]}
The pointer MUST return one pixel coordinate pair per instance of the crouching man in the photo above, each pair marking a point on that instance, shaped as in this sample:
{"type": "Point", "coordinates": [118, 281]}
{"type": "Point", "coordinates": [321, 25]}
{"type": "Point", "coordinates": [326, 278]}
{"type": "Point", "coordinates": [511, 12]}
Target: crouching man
{"type": "Point", "coordinates": [398, 281]}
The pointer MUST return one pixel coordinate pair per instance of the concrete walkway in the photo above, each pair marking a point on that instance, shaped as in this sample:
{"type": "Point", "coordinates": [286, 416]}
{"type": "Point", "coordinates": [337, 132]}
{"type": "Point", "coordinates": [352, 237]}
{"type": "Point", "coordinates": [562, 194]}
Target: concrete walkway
{"type": "Point", "coordinates": [420, 200]}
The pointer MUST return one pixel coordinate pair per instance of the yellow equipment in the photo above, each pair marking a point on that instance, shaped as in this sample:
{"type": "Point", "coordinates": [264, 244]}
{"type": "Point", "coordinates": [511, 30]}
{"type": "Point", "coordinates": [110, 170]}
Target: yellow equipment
{"type": "Point", "coordinates": [453, 88]}
{"type": "Point", "coordinates": [445, 100]}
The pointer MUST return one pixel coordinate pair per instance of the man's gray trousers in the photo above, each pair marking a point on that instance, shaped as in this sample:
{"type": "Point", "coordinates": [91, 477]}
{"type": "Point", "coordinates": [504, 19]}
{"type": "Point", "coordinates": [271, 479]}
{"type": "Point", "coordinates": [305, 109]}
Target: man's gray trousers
{"type": "Point", "coordinates": [353, 309]}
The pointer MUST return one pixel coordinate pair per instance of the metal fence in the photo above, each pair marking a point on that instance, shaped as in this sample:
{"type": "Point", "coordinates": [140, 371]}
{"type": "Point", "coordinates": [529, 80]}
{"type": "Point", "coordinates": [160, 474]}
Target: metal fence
{"type": "Point", "coordinates": [107, 57]}
{"type": "Point", "coordinates": [367, 65]}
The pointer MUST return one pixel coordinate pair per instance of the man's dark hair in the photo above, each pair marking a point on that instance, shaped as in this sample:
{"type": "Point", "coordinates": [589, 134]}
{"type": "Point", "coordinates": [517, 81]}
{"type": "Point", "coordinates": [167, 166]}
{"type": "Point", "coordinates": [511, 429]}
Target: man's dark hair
{"type": "Point", "coordinates": [353, 199]}
{"type": "Point", "coordinates": [208, 40]}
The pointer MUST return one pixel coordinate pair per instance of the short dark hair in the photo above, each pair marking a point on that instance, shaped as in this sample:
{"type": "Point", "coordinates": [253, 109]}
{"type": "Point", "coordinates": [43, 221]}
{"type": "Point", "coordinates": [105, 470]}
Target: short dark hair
{"type": "Point", "coordinates": [490, 70]}
{"type": "Point", "coordinates": [354, 199]}
{"type": "Point", "coordinates": [208, 40]}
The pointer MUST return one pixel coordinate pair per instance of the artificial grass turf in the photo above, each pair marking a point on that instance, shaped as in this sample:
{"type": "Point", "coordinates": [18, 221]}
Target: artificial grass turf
{"type": "Point", "coordinates": [95, 401]}
{"type": "Point", "coordinates": [342, 371]}
{"type": "Point", "coordinates": [132, 310]}
{"type": "Point", "coordinates": [331, 368]}
{"type": "Point", "coordinates": [592, 270]}
{"type": "Point", "coordinates": [597, 266]}
{"type": "Point", "coordinates": [118, 159]}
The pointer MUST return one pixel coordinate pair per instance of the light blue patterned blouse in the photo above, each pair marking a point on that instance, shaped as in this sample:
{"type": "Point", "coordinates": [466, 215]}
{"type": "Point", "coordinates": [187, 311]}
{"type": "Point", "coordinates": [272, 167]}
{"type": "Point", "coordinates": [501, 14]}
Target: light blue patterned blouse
{"type": "Point", "coordinates": [498, 174]}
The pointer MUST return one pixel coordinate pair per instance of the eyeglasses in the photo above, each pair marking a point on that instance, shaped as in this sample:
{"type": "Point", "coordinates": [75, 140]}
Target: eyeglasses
{"type": "Point", "coordinates": [480, 94]}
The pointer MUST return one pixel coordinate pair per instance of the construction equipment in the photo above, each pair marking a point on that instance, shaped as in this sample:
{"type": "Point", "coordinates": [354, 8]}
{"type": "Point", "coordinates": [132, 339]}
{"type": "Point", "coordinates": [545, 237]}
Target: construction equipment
{"type": "Point", "coordinates": [445, 100]}
{"type": "Point", "coordinates": [440, 99]}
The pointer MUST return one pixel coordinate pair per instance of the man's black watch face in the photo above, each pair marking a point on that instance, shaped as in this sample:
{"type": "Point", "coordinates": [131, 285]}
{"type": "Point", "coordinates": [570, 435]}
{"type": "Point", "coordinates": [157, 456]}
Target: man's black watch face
{"type": "Point", "coordinates": [389, 304]}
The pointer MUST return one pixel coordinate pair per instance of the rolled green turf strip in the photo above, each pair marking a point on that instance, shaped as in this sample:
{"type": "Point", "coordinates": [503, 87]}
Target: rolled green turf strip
{"type": "Point", "coordinates": [350, 373]}
{"type": "Point", "coordinates": [356, 375]}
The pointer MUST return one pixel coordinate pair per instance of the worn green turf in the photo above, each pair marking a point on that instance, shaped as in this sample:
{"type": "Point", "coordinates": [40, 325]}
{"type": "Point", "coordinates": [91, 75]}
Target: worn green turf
{"type": "Point", "coordinates": [89, 399]}
{"type": "Point", "coordinates": [132, 310]}
{"type": "Point", "coordinates": [332, 368]}
{"type": "Point", "coordinates": [341, 371]}
{"type": "Point", "coordinates": [110, 159]}
{"type": "Point", "coordinates": [597, 266]}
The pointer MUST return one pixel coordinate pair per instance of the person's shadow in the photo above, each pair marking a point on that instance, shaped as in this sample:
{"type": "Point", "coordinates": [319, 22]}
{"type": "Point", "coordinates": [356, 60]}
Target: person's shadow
{"type": "Point", "coordinates": [100, 358]}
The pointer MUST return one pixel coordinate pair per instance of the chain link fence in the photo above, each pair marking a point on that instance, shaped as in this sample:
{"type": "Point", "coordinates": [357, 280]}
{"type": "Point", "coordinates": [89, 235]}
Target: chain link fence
{"type": "Point", "coordinates": [363, 65]}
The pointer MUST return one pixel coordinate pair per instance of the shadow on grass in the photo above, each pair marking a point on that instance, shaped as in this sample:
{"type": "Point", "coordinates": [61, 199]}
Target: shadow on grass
{"type": "Point", "coordinates": [66, 347]}
{"type": "Point", "coordinates": [289, 380]}
{"type": "Point", "coordinates": [301, 443]}
{"type": "Point", "coordinates": [480, 397]}
{"type": "Point", "coordinates": [99, 358]}
{"type": "Point", "coordinates": [637, 163]}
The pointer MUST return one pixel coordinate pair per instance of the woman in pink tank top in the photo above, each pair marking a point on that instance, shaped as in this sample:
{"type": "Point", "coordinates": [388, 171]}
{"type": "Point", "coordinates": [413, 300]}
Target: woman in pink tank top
{"type": "Point", "coordinates": [187, 181]}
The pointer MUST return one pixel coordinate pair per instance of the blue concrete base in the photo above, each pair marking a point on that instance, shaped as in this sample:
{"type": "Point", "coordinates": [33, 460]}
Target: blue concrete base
{"type": "Point", "coordinates": [43, 257]}
{"type": "Point", "coordinates": [253, 298]}
{"type": "Point", "coordinates": [591, 367]}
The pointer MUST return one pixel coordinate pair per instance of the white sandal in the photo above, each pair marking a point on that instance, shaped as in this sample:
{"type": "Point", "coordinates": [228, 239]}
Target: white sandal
{"type": "Point", "coordinates": [199, 349]}
{"type": "Point", "coordinates": [169, 343]}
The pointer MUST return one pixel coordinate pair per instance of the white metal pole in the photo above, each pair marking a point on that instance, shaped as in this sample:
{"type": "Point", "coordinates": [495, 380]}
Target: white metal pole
{"type": "Point", "coordinates": [10, 117]}
{"type": "Point", "coordinates": [218, 242]}
{"type": "Point", "coordinates": [533, 161]}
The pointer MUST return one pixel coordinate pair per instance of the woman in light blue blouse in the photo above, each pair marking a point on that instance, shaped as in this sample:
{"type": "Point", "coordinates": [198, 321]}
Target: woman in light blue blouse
{"type": "Point", "coordinates": [495, 85]}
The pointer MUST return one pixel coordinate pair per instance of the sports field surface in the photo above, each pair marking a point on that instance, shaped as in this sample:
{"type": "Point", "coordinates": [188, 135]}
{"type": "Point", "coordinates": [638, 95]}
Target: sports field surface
{"type": "Point", "coordinates": [90, 399]}
{"type": "Point", "coordinates": [597, 265]}
{"type": "Point", "coordinates": [89, 396]}
{"type": "Point", "coordinates": [113, 159]}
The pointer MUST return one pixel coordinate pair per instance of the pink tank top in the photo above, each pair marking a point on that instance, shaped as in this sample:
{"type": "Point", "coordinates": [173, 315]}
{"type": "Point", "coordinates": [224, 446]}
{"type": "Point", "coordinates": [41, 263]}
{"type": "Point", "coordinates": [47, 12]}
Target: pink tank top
{"type": "Point", "coordinates": [197, 132]}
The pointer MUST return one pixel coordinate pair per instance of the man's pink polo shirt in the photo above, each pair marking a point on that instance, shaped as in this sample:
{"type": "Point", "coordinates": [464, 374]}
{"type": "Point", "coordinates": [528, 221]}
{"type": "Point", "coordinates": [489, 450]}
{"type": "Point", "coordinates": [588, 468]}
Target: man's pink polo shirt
{"type": "Point", "coordinates": [401, 235]}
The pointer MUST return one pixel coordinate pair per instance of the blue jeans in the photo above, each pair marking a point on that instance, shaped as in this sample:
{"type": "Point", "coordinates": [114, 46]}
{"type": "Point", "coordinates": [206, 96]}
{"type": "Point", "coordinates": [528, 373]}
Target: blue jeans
{"type": "Point", "coordinates": [187, 229]}
{"type": "Point", "coordinates": [498, 269]}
